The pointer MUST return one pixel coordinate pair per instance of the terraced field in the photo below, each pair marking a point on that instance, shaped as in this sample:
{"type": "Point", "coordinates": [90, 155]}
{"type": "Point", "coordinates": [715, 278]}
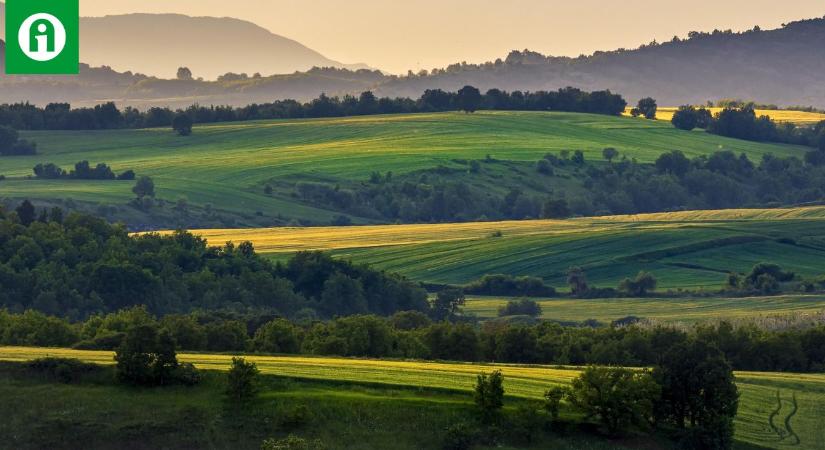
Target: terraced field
{"type": "Point", "coordinates": [777, 410]}
{"type": "Point", "coordinates": [682, 310]}
{"type": "Point", "coordinates": [782, 115]}
{"type": "Point", "coordinates": [226, 165]}
{"type": "Point", "coordinates": [684, 249]}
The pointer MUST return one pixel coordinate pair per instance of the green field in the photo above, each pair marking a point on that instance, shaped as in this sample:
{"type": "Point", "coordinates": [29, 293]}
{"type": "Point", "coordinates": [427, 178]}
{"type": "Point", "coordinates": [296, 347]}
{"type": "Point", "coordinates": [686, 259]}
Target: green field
{"type": "Point", "coordinates": [683, 310]}
{"type": "Point", "coordinates": [777, 410]}
{"type": "Point", "coordinates": [695, 249]}
{"type": "Point", "coordinates": [226, 165]}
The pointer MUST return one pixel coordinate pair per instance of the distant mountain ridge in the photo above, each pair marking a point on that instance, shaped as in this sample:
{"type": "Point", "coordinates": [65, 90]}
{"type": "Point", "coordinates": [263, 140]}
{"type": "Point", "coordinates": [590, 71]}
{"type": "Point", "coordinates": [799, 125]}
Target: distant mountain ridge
{"type": "Point", "coordinates": [157, 44]}
{"type": "Point", "coordinates": [785, 66]}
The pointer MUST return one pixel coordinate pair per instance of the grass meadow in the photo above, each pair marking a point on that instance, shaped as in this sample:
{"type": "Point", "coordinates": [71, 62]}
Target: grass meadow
{"type": "Point", "coordinates": [776, 411]}
{"type": "Point", "coordinates": [685, 250]}
{"type": "Point", "coordinates": [226, 165]}
{"type": "Point", "coordinates": [671, 310]}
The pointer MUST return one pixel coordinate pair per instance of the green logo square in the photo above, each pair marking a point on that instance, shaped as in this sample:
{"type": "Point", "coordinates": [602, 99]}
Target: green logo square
{"type": "Point", "coordinates": [42, 37]}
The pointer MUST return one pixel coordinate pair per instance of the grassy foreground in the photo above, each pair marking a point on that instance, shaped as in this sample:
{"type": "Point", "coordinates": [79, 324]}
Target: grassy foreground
{"type": "Point", "coordinates": [777, 410]}
{"type": "Point", "coordinates": [226, 165]}
{"type": "Point", "coordinates": [693, 249]}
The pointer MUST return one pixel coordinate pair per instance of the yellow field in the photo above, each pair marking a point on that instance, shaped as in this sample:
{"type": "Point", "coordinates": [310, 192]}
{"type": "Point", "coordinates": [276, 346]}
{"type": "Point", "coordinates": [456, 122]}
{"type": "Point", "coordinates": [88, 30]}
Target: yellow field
{"type": "Point", "coordinates": [289, 240]}
{"type": "Point", "coordinates": [777, 410]}
{"type": "Point", "coordinates": [523, 381]}
{"type": "Point", "coordinates": [797, 117]}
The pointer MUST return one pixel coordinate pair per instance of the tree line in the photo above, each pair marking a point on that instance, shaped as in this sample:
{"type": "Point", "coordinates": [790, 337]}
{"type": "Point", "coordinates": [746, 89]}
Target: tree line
{"type": "Point", "coordinates": [61, 116]}
{"type": "Point", "coordinates": [567, 184]}
{"type": "Point", "coordinates": [82, 171]}
{"type": "Point", "coordinates": [415, 335]}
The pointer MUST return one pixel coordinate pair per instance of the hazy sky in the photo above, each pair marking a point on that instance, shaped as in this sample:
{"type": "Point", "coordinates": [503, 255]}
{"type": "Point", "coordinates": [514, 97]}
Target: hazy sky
{"type": "Point", "coordinates": [414, 34]}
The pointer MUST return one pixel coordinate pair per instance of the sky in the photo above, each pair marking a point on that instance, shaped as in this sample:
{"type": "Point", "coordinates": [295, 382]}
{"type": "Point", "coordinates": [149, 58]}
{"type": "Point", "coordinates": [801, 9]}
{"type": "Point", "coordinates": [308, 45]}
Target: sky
{"type": "Point", "coordinates": [397, 36]}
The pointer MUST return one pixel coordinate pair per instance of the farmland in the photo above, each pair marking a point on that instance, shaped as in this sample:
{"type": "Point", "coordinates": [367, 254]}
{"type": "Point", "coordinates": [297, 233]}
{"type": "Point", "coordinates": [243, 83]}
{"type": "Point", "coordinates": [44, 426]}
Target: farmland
{"type": "Point", "coordinates": [780, 115]}
{"type": "Point", "coordinates": [777, 410]}
{"type": "Point", "coordinates": [684, 250]}
{"type": "Point", "coordinates": [226, 165]}
{"type": "Point", "coordinates": [682, 310]}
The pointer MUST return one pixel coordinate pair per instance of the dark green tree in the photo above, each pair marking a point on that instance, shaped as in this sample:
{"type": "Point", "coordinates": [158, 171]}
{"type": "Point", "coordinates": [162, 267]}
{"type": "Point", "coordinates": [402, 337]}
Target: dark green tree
{"type": "Point", "coordinates": [144, 187]}
{"type": "Point", "coordinates": [447, 304]}
{"type": "Point", "coordinates": [647, 107]}
{"type": "Point", "coordinates": [182, 124]}
{"type": "Point", "coordinates": [610, 154]}
{"type": "Point", "coordinates": [241, 383]}
{"type": "Point", "coordinates": [619, 398]}
{"type": "Point", "coordinates": [468, 99]}
{"type": "Point", "coordinates": [699, 394]}
{"type": "Point", "coordinates": [26, 213]}
{"type": "Point", "coordinates": [489, 395]}
{"type": "Point", "coordinates": [146, 357]}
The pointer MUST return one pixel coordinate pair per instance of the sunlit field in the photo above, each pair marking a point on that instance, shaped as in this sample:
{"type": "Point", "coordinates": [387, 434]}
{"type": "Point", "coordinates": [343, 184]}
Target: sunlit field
{"type": "Point", "coordinates": [781, 115]}
{"type": "Point", "coordinates": [777, 410]}
{"type": "Point", "coordinates": [226, 165]}
{"type": "Point", "coordinates": [692, 249]}
{"type": "Point", "coordinates": [681, 310]}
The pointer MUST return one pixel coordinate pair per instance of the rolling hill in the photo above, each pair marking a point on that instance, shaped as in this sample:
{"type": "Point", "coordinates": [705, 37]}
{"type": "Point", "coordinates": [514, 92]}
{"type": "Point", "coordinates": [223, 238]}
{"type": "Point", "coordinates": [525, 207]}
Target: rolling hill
{"type": "Point", "coordinates": [685, 250]}
{"type": "Point", "coordinates": [227, 165]}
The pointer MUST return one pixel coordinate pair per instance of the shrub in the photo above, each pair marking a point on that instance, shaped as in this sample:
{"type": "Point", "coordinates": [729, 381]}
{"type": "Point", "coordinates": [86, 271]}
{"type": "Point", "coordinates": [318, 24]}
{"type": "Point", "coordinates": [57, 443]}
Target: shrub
{"type": "Point", "coordinates": [292, 443]}
{"type": "Point", "coordinates": [63, 370]}
{"type": "Point", "coordinates": [552, 400]}
{"type": "Point", "coordinates": [526, 423]}
{"type": "Point", "coordinates": [460, 436]}
{"type": "Point", "coordinates": [242, 382]}
{"type": "Point", "coordinates": [523, 307]}
{"type": "Point", "coordinates": [296, 417]}
{"type": "Point", "coordinates": [146, 357]}
{"type": "Point", "coordinates": [639, 287]}
{"type": "Point", "coordinates": [489, 395]}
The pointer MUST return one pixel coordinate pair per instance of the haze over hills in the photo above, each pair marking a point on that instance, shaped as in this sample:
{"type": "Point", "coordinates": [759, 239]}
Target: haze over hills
{"type": "Point", "coordinates": [157, 44]}
{"type": "Point", "coordinates": [785, 66]}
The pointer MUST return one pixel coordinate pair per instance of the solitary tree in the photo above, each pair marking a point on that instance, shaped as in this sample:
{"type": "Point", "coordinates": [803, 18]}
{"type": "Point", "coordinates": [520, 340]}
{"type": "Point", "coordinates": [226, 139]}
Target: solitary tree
{"type": "Point", "coordinates": [184, 74]}
{"type": "Point", "coordinates": [577, 280]}
{"type": "Point", "coordinates": [241, 382]}
{"type": "Point", "coordinates": [686, 118]}
{"type": "Point", "coordinates": [610, 154]}
{"type": "Point", "coordinates": [647, 107]}
{"type": "Point", "coordinates": [469, 99]}
{"type": "Point", "coordinates": [489, 395]}
{"type": "Point", "coordinates": [182, 123]}
{"type": "Point", "coordinates": [144, 187]}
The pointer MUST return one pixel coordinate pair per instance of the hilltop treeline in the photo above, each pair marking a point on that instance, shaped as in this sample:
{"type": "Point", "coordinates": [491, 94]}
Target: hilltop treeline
{"type": "Point", "coordinates": [743, 123]}
{"type": "Point", "coordinates": [78, 265]}
{"type": "Point", "coordinates": [412, 334]}
{"type": "Point", "coordinates": [60, 116]}
{"type": "Point", "coordinates": [566, 184]}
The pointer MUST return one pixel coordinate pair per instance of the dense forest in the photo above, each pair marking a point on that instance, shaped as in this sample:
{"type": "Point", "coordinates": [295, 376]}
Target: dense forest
{"type": "Point", "coordinates": [78, 265]}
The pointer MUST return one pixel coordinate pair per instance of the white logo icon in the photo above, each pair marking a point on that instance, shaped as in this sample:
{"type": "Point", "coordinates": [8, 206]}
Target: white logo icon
{"type": "Point", "coordinates": [42, 37]}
